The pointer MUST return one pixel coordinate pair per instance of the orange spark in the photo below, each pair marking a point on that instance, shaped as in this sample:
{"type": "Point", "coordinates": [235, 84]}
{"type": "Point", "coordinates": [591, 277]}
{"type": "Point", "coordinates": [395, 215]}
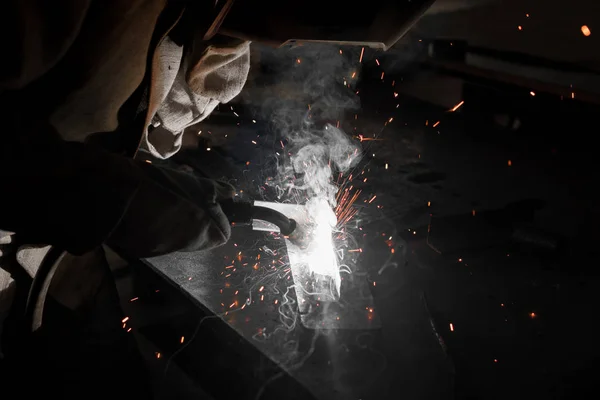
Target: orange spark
{"type": "Point", "coordinates": [456, 107]}
{"type": "Point", "coordinates": [586, 30]}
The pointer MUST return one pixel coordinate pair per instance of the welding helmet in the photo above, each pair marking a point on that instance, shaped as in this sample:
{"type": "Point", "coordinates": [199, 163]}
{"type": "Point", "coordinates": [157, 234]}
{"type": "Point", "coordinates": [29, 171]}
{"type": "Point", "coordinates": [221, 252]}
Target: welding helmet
{"type": "Point", "coordinates": [377, 24]}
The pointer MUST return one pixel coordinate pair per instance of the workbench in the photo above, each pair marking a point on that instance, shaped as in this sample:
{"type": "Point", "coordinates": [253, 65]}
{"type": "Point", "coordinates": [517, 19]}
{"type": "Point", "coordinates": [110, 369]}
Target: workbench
{"type": "Point", "coordinates": [357, 360]}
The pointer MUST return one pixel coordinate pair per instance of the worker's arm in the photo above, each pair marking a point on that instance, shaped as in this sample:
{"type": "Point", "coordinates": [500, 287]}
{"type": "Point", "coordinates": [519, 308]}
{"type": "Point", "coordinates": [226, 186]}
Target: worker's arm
{"type": "Point", "coordinates": [72, 195]}
{"type": "Point", "coordinates": [77, 197]}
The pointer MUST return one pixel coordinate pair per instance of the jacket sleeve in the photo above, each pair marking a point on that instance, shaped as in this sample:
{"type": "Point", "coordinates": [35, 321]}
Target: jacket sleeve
{"type": "Point", "coordinates": [77, 197]}
{"type": "Point", "coordinates": [36, 34]}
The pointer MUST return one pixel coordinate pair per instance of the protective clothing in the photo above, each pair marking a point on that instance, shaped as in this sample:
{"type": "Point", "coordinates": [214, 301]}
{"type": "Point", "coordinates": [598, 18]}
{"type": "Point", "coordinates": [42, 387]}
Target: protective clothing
{"type": "Point", "coordinates": [131, 70]}
{"type": "Point", "coordinates": [83, 77]}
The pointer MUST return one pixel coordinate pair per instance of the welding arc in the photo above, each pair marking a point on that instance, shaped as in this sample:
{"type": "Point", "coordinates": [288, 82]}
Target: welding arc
{"type": "Point", "coordinates": [286, 225]}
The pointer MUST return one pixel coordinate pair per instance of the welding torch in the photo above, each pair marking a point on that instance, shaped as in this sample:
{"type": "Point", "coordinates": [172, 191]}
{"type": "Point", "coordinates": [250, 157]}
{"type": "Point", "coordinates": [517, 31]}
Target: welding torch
{"type": "Point", "coordinates": [241, 212]}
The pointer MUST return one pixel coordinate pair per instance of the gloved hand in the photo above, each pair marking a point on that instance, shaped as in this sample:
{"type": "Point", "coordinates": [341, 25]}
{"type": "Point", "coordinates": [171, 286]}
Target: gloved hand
{"type": "Point", "coordinates": [173, 211]}
{"type": "Point", "coordinates": [76, 196]}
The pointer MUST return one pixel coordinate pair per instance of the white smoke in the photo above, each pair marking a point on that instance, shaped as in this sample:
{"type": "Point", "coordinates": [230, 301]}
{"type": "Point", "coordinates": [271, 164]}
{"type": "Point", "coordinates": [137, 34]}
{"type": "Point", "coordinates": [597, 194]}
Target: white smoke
{"type": "Point", "coordinates": [313, 92]}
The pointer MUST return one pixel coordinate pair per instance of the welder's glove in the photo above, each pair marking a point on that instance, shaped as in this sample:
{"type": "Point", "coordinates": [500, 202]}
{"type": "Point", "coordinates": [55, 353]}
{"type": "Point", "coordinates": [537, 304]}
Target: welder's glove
{"type": "Point", "coordinates": [76, 197]}
{"type": "Point", "coordinates": [173, 211]}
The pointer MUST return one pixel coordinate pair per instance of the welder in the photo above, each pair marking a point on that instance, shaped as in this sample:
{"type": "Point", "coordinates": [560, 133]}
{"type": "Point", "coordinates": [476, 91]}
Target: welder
{"type": "Point", "coordinates": [86, 84]}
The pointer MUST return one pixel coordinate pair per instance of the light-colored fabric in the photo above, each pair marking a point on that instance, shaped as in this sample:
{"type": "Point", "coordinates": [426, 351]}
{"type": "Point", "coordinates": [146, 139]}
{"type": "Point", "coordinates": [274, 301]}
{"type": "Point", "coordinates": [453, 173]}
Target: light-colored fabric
{"type": "Point", "coordinates": [165, 66]}
{"type": "Point", "coordinates": [30, 257]}
{"type": "Point", "coordinates": [216, 77]}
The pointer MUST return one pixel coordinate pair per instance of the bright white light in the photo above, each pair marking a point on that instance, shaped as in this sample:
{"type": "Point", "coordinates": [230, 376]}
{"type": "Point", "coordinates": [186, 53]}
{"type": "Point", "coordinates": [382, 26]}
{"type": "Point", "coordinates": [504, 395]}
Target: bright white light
{"type": "Point", "coordinates": [320, 254]}
{"type": "Point", "coordinates": [314, 265]}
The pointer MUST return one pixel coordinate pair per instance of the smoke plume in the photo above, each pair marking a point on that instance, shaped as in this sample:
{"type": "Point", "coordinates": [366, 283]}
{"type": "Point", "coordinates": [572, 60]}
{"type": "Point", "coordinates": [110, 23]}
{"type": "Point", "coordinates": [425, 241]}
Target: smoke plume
{"type": "Point", "coordinates": [306, 96]}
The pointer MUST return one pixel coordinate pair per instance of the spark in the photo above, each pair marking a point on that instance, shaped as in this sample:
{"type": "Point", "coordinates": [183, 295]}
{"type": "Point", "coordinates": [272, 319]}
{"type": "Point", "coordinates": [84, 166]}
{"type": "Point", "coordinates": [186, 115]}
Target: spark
{"type": "Point", "coordinates": [182, 339]}
{"type": "Point", "coordinates": [586, 30]}
{"type": "Point", "coordinates": [377, 61]}
{"type": "Point", "coordinates": [456, 107]}
{"type": "Point", "coordinates": [509, 163]}
{"type": "Point", "coordinates": [345, 209]}
{"type": "Point", "coordinates": [125, 319]}
{"type": "Point", "coordinates": [436, 124]}
{"type": "Point", "coordinates": [532, 93]}
{"type": "Point", "coordinates": [520, 27]}
{"type": "Point", "coordinates": [451, 327]}
{"type": "Point", "coordinates": [362, 52]}
{"type": "Point", "coordinates": [134, 299]}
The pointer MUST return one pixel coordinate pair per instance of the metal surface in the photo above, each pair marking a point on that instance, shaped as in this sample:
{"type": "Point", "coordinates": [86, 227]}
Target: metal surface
{"type": "Point", "coordinates": [264, 310]}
